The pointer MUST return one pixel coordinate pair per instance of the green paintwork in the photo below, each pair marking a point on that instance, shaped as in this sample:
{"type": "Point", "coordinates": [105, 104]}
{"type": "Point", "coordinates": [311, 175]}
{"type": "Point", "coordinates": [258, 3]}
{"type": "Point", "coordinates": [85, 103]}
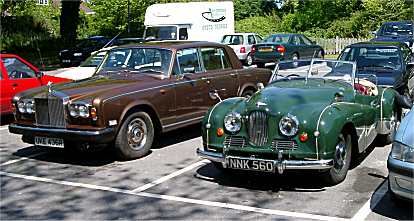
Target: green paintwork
{"type": "Point", "coordinates": [308, 101]}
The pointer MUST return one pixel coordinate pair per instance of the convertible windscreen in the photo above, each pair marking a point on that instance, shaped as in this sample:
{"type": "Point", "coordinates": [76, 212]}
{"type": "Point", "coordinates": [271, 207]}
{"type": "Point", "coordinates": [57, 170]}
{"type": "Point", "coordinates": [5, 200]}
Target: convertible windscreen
{"type": "Point", "coordinates": [137, 60]}
{"type": "Point", "coordinates": [373, 58]}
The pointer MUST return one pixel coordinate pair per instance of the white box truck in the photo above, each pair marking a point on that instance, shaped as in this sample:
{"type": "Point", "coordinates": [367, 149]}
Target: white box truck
{"type": "Point", "coordinates": [193, 21]}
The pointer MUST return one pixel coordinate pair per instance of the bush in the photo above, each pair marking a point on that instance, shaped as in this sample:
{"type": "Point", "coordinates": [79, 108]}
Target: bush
{"type": "Point", "coordinates": [263, 25]}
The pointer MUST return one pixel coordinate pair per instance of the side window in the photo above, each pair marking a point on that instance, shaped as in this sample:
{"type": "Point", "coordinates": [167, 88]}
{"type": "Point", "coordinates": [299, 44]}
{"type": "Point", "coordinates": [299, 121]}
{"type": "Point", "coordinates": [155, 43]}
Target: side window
{"type": "Point", "coordinates": [182, 34]}
{"type": "Point", "coordinates": [17, 69]}
{"type": "Point", "coordinates": [214, 59]}
{"type": "Point", "coordinates": [188, 61]}
{"type": "Point", "coordinates": [305, 40]}
{"type": "Point", "coordinates": [295, 40]}
{"type": "Point", "coordinates": [251, 40]}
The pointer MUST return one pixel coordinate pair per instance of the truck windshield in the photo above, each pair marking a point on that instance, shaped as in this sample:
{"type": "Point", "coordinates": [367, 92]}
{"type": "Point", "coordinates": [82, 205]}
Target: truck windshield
{"type": "Point", "coordinates": [137, 60]}
{"type": "Point", "coordinates": [161, 33]}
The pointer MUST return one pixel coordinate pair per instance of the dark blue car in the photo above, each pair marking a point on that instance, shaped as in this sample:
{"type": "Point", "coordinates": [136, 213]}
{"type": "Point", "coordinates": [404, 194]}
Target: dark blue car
{"type": "Point", "coordinates": [401, 31]}
{"type": "Point", "coordinates": [388, 61]}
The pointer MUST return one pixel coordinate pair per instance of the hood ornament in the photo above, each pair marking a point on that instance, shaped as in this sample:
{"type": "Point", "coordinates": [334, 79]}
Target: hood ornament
{"type": "Point", "coordinates": [258, 104]}
{"type": "Point", "coordinates": [49, 86]}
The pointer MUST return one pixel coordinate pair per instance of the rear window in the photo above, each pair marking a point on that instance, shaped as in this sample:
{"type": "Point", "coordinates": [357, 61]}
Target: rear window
{"type": "Point", "coordinates": [397, 29]}
{"type": "Point", "coordinates": [232, 40]}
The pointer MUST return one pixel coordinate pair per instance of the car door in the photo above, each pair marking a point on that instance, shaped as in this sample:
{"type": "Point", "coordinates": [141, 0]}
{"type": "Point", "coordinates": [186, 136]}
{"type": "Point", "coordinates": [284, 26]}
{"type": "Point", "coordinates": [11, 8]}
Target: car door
{"type": "Point", "coordinates": [312, 50]}
{"type": "Point", "coordinates": [295, 47]}
{"type": "Point", "coordinates": [19, 76]}
{"type": "Point", "coordinates": [192, 86]}
{"type": "Point", "coordinates": [218, 70]}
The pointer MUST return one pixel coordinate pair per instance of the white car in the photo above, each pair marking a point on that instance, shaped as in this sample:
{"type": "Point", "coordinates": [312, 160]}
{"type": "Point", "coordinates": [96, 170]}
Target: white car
{"type": "Point", "coordinates": [85, 70]}
{"type": "Point", "coordinates": [241, 44]}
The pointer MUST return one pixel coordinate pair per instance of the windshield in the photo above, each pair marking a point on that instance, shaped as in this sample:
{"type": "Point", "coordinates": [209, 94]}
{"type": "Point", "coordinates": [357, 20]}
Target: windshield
{"type": "Point", "coordinates": [94, 60]}
{"type": "Point", "coordinates": [232, 40]}
{"type": "Point", "coordinates": [326, 69]}
{"type": "Point", "coordinates": [398, 29]}
{"type": "Point", "coordinates": [379, 59]}
{"type": "Point", "coordinates": [161, 33]}
{"type": "Point", "coordinates": [280, 39]}
{"type": "Point", "coordinates": [137, 60]}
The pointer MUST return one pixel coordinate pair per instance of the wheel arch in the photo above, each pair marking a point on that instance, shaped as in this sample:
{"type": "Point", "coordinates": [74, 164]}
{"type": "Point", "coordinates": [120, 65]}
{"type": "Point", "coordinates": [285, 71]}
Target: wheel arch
{"type": "Point", "coordinates": [245, 87]}
{"type": "Point", "coordinates": [145, 107]}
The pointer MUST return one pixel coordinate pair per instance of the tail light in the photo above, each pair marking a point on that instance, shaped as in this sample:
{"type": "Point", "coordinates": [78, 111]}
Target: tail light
{"type": "Point", "coordinates": [242, 50]}
{"type": "Point", "coordinates": [253, 49]}
{"type": "Point", "coordinates": [280, 49]}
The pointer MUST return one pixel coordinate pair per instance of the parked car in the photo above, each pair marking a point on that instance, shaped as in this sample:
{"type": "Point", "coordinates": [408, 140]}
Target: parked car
{"type": "Point", "coordinates": [138, 91]}
{"type": "Point", "coordinates": [388, 61]}
{"type": "Point", "coordinates": [400, 31]}
{"type": "Point", "coordinates": [18, 75]}
{"type": "Point", "coordinates": [401, 160]}
{"type": "Point", "coordinates": [82, 50]}
{"type": "Point", "coordinates": [311, 116]}
{"type": "Point", "coordinates": [279, 47]}
{"type": "Point", "coordinates": [242, 44]}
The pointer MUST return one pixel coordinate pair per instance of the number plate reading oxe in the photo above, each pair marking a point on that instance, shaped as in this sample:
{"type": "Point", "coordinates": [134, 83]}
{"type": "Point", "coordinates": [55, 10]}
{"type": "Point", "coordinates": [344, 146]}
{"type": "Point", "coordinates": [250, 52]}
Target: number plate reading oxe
{"type": "Point", "coordinates": [49, 142]}
{"type": "Point", "coordinates": [249, 164]}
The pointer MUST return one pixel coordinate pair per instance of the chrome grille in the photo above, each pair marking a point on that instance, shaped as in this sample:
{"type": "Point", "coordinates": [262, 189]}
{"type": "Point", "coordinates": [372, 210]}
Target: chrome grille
{"type": "Point", "coordinates": [234, 141]}
{"type": "Point", "coordinates": [50, 112]}
{"type": "Point", "coordinates": [284, 144]}
{"type": "Point", "coordinates": [258, 131]}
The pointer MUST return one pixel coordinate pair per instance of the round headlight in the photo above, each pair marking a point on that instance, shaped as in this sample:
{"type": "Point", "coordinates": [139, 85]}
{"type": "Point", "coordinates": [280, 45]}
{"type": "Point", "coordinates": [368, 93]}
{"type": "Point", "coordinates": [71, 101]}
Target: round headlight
{"type": "Point", "coordinates": [21, 107]}
{"type": "Point", "coordinates": [30, 108]}
{"type": "Point", "coordinates": [83, 111]}
{"type": "Point", "coordinates": [289, 125]}
{"type": "Point", "coordinates": [232, 122]}
{"type": "Point", "coordinates": [73, 110]}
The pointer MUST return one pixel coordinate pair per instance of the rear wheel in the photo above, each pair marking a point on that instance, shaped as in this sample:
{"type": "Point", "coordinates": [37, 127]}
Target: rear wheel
{"type": "Point", "coordinates": [295, 56]}
{"type": "Point", "coordinates": [135, 136]}
{"type": "Point", "coordinates": [342, 160]}
{"type": "Point", "coordinates": [249, 60]}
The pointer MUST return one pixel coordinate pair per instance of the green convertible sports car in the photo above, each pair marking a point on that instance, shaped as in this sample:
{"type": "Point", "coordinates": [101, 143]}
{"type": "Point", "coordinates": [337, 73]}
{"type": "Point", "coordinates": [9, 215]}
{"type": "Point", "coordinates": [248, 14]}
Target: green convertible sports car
{"type": "Point", "coordinates": [313, 115]}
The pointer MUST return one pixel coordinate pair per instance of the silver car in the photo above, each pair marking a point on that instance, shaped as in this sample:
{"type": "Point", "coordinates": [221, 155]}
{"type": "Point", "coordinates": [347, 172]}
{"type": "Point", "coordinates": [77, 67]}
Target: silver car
{"type": "Point", "coordinates": [241, 44]}
{"type": "Point", "coordinates": [401, 160]}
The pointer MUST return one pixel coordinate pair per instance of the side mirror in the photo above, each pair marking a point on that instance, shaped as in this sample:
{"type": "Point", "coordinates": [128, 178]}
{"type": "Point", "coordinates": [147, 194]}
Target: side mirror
{"type": "Point", "coordinates": [260, 86]}
{"type": "Point", "coordinates": [39, 74]}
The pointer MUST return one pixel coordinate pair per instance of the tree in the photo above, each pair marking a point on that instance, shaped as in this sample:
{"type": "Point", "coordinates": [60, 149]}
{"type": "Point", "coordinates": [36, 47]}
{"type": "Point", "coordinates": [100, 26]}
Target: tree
{"type": "Point", "coordinates": [69, 19]}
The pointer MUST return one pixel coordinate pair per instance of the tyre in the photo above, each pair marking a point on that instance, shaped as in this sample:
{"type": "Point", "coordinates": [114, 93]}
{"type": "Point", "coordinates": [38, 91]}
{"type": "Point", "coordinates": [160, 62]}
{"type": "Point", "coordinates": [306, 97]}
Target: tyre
{"type": "Point", "coordinates": [247, 93]}
{"type": "Point", "coordinates": [342, 160]}
{"type": "Point", "coordinates": [385, 139]}
{"type": "Point", "coordinates": [135, 136]}
{"type": "Point", "coordinates": [260, 64]}
{"type": "Point", "coordinates": [249, 60]}
{"type": "Point", "coordinates": [295, 56]}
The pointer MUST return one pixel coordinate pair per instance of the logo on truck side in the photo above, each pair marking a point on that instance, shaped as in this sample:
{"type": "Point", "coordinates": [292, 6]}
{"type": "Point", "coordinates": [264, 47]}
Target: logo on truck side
{"type": "Point", "coordinates": [215, 15]}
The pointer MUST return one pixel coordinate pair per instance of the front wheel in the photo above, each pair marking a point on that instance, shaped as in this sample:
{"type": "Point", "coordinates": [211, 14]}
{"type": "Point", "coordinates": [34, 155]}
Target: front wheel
{"type": "Point", "coordinates": [342, 160]}
{"type": "Point", "coordinates": [135, 136]}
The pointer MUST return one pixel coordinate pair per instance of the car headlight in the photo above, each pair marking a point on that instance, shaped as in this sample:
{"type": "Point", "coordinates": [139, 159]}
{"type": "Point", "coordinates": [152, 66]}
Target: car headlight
{"type": "Point", "coordinates": [78, 110]}
{"type": "Point", "coordinates": [402, 152]}
{"type": "Point", "coordinates": [232, 122]}
{"type": "Point", "coordinates": [77, 54]}
{"type": "Point", "coordinates": [289, 125]}
{"type": "Point", "coordinates": [26, 106]}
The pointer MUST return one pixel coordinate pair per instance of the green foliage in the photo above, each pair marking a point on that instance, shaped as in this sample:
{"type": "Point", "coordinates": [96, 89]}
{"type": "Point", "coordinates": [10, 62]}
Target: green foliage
{"type": "Point", "coordinates": [263, 25]}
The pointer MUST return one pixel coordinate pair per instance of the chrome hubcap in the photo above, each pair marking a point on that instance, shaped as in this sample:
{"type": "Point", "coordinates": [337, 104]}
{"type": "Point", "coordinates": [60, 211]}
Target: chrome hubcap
{"type": "Point", "coordinates": [249, 60]}
{"type": "Point", "coordinates": [137, 133]}
{"type": "Point", "coordinates": [340, 154]}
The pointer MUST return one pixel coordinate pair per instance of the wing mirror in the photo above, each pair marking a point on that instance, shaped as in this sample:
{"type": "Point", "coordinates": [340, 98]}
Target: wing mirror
{"type": "Point", "coordinates": [260, 86]}
{"type": "Point", "coordinates": [39, 74]}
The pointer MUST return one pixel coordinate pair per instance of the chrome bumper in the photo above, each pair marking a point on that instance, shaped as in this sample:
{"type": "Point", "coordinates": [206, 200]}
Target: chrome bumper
{"type": "Point", "coordinates": [280, 165]}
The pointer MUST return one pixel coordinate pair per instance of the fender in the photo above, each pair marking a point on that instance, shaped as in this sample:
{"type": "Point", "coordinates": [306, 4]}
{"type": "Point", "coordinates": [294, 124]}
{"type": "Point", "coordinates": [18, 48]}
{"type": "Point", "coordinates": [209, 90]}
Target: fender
{"type": "Point", "coordinates": [387, 106]}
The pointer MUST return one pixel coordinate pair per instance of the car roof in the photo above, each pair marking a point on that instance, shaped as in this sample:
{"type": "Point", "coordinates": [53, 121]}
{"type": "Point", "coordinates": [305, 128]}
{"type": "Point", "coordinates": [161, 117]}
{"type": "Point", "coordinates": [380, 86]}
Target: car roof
{"type": "Point", "coordinates": [397, 22]}
{"type": "Point", "coordinates": [172, 44]}
{"type": "Point", "coordinates": [376, 44]}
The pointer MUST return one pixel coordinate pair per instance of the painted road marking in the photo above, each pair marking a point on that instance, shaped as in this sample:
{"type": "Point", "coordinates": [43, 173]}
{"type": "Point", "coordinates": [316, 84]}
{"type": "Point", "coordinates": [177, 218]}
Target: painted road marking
{"type": "Point", "coordinates": [177, 199]}
{"type": "Point", "coordinates": [22, 158]}
{"type": "Point", "coordinates": [170, 176]}
{"type": "Point", "coordinates": [372, 202]}
{"type": "Point", "coordinates": [4, 128]}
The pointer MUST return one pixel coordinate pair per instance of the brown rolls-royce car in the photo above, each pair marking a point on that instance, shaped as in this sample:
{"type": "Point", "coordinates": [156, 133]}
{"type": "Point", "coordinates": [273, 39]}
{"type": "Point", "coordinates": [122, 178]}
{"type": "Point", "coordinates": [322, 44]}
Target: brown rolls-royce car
{"type": "Point", "coordinates": [137, 91]}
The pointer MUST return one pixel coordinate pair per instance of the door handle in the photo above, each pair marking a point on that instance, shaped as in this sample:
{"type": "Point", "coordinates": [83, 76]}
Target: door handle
{"type": "Point", "coordinates": [15, 85]}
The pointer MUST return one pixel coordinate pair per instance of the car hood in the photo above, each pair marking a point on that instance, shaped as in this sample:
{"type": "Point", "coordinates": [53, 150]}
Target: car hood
{"type": "Point", "coordinates": [384, 77]}
{"type": "Point", "coordinates": [405, 133]}
{"type": "Point", "coordinates": [76, 73]}
{"type": "Point", "coordinates": [97, 87]}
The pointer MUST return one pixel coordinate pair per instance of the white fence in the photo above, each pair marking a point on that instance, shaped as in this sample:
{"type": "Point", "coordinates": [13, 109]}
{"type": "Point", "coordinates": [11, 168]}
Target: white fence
{"type": "Point", "coordinates": [335, 45]}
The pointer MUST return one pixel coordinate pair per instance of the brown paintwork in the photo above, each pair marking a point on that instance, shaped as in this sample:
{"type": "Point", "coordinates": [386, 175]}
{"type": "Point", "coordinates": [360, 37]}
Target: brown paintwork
{"type": "Point", "coordinates": [171, 101]}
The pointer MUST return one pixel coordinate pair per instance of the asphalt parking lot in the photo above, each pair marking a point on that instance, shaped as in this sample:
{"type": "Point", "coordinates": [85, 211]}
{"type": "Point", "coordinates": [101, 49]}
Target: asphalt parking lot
{"type": "Point", "coordinates": [173, 183]}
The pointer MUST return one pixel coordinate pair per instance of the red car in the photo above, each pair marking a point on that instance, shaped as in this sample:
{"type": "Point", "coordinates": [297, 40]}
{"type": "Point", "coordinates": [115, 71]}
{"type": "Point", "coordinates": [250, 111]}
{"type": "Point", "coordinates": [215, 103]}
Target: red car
{"type": "Point", "coordinates": [18, 75]}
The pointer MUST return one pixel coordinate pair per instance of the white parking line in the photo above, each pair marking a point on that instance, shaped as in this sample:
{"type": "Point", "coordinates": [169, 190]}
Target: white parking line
{"type": "Point", "coordinates": [295, 215]}
{"type": "Point", "coordinates": [22, 158]}
{"type": "Point", "coordinates": [170, 176]}
{"type": "Point", "coordinates": [4, 128]}
{"type": "Point", "coordinates": [373, 201]}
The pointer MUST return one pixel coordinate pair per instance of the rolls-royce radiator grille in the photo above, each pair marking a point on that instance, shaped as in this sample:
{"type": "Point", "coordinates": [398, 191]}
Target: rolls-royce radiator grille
{"type": "Point", "coordinates": [284, 144]}
{"type": "Point", "coordinates": [50, 112]}
{"type": "Point", "coordinates": [234, 141]}
{"type": "Point", "coordinates": [258, 129]}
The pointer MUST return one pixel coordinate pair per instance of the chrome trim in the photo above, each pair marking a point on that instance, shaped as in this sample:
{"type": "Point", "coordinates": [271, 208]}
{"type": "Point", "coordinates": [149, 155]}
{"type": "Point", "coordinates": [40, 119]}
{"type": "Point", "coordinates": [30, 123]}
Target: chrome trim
{"type": "Point", "coordinates": [258, 128]}
{"type": "Point", "coordinates": [61, 130]}
{"type": "Point", "coordinates": [182, 122]}
{"type": "Point", "coordinates": [285, 164]}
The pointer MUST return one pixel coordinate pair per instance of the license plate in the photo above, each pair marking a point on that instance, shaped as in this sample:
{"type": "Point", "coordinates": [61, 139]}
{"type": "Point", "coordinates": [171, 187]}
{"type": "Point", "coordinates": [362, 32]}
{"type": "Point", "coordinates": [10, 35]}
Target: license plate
{"type": "Point", "coordinates": [265, 49]}
{"type": "Point", "coordinates": [250, 164]}
{"type": "Point", "coordinates": [49, 142]}
{"type": "Point", "coordinates": [66, 61]}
